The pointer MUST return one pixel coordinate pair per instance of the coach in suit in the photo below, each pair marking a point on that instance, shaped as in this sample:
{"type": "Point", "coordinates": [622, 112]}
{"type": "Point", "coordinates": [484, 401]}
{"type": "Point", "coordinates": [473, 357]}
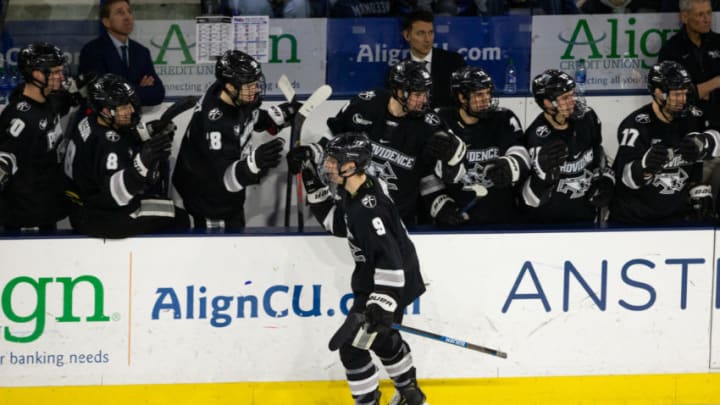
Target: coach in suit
{"type": "Point", "coordinates": [418, 31]}
{"type": "Point", "coordinates": [114, 52]}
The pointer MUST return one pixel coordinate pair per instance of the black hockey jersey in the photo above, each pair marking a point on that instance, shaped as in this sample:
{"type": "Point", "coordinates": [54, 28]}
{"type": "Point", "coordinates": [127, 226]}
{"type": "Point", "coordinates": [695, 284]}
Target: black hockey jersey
{"type": "Point", "coordinates": [385, 257]}
{"type": "Point", "coordinates": [662, 197]}
{"type": "Point", "coordinates": [95, 158]}
{"type": "Point", "coordinates": [31, 140]}
{"type": "Point", "coordinates": [500, 134]}
{"type": "Point", "coordinates": [564, 199]}
{"type": "Point", "coordinates": [398, 144]}
{"type": "Point", "coordinates": [217, 139]}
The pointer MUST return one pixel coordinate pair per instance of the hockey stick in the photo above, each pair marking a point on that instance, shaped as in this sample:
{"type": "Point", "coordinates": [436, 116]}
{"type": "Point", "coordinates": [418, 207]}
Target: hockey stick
{"type": "Point", "coordinates": [480, 192]}
{"type": "Point", "coordinates": [452, 341]}
{"type": "Point", "coordinates": [318, 97]}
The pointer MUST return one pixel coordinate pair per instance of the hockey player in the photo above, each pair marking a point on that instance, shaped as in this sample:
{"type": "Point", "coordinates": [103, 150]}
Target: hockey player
{"type": "Point", "coordinates": [217, 161]}
{"type": "Point", "coordinates": [570, 180]}
{"type": "Point", "coordinates": [115, 175]}
{"type": "Point", "coordinates": [387, 275]}
{"type": "Point", "coordinates": [661, 147]}
{"type": "Point", "coordinates": [496, 157]}
{"type": "Point", "coordinates": [407, 141]}
{"type": "Point", "coordinates": [31, 179]}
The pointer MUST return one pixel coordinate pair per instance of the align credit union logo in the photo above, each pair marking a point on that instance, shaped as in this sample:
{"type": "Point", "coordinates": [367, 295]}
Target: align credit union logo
{"type": "Point", "coordinates": [25, 300]}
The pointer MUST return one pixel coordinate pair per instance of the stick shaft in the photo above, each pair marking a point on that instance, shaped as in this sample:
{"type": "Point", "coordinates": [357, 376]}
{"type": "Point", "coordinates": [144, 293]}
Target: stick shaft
{"type": "Point", "coordinates": [449, 340]}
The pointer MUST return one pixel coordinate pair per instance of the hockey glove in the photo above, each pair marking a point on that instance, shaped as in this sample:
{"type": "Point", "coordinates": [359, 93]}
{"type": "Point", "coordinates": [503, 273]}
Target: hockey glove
{"type": "Point", "coordinates": [446, 212]}
{"type": "Point", "coordinates": [78, 87]}
{"type": "Point", "coordinates": [701, 203]}
{"type": "Point", "coordinates": [446, 147]}
{"type": "Point", "coordinates": [548, 158]}
{"type": "Point", "coordinates": [601, 190]}
{"type": "Point", "coordinates": [693, 146]}
{"type": "Point", "coordinates": [283, 114]}
{"type": "Point", "coordinates": [156, 128]}
{"type": "Point", "coordinates": [380, 312]}
{"type": "Point", "coordinates": [503, 172]}
{"type": "Point", "coordinates": [152, 152]}
{"type": "Point", "coordinates": [305, 153]}
{"type": "Point", "coordinates": [347, 331]}
{"type": "Point", "coordinates": [267, 155]}
{"type": "Point", "coordinates": [654, 159]}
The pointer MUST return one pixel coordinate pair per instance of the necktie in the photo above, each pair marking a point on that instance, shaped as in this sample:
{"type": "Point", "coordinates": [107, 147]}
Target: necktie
{"type": "Point", "coordinates": [123, 48]}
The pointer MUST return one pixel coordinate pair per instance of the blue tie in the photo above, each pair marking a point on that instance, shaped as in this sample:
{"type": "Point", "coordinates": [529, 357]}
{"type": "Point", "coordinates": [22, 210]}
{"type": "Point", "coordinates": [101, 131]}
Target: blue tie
{"type": "Point", "coordinates": [123, 48]}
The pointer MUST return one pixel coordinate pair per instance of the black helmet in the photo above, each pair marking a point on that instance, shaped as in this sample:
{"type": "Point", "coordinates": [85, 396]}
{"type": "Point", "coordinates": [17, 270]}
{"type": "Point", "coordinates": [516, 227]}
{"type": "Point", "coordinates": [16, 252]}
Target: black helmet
{"type": "Point", "coordinates": [550, 85]}
{"type": "Point", "coordinates": [351, 147]}
{"type": "Point", "coordinates": [469, 79]}
{"type": "Point", "coordinates": [409, 76]}
{"type": "Point", "coordinates": [238, 68]}
{"type": "Point", "coordinates": [40, 56]}
{"type": "Point", "coordinates": [111, 91]}
{"type": "Point", "coordinates": [668, 75]}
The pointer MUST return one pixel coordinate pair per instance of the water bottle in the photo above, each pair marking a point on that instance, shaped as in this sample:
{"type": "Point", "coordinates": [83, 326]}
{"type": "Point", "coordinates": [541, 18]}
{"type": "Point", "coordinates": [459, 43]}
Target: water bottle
{"type": "Point", "coordinates": [510, 78]}
{"type": "Point", "coordinates": [580, 77]}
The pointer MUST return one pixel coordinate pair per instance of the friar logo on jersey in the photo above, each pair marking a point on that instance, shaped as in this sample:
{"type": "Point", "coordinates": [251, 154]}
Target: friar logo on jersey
{"type": "Point", "coordinates": [112, 136]}
{"type": "Point", "coordinates": [642, 118]}
{"type": "Point", "coordinates": [23, 106]}
{"type": "Point", "coordinates": [575, 187]}
{"type": "Point", "coordinates": [368, 201]}
{"type": "Point", "coordinates": [432, 119]}
{"type": "Point", "coordinates": [670, 183]}
{"type": "Point", "coordinates": [215, 114]}
{"type": "Point", "coordinates": [358, 119]}
{"type": "Point", "coordinates": [696, 112]}
{"type": "Point", "coordinates": [542, 131]}
{"type": "Point", "coordinates": [476, 175]}
{"type": "Point", "coordinates": [366, 95]}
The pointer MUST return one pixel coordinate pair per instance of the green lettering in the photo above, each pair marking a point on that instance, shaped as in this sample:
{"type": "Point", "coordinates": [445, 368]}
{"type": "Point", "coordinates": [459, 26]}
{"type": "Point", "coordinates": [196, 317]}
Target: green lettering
{"type": "Point", "coordinates": [37, 315]}
{"type": "Point", "coordinates": [275, 45]}
{"type": "Point", "coordinates": [174, 31]}
{"type": "Point", "coordinates": [99, 296]}
{"type": "Point", "coordinates": [582, 27]}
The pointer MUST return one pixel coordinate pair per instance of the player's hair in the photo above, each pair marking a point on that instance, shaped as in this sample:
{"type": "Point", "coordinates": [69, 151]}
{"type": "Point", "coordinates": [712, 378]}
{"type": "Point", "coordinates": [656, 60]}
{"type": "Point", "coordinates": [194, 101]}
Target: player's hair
{"type": "Point", "coordinates": [417, 15]}
{"type": "Point", "coordinates": [107, 5]}
{"type": "Point", "coordinates": [684, 5]}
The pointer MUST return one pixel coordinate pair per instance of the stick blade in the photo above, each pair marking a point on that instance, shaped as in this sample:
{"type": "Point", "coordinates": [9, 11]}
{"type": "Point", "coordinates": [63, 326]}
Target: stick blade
{"type": "Point", "coordinates": [286, 88]}
{"type": "Point", "coordinates": [318, 97]}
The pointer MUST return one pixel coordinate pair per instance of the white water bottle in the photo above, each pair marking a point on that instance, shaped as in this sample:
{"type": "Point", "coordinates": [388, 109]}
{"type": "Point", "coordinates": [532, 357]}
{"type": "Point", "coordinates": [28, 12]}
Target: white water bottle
{"type": "Point", "coordinates": [580, 77]}
{"type": "Point", "coordinates": [510, 78]}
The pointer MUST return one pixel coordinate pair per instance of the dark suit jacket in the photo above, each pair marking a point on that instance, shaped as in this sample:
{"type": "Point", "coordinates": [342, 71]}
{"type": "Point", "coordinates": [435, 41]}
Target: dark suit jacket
{"type": "Point", "coordinates": [101, 56]}
{"type": "Point", "coordinates": [444, 63]}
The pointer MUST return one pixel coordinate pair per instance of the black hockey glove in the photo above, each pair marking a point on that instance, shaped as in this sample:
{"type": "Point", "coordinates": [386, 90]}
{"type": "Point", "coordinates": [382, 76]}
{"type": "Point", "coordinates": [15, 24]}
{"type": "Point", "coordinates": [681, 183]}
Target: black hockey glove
{"type": "Point", "coordinates": [305, 153]}
{"type": "Point", "coordinates": [701, 203]}
{"type": "Point", "coordinates": [152, 152]}
{"type": "Point", "coordinates": [654, 159]}
{"type": "Point", "coordinates": [548, 159]}
{"type": "Point", "coordinates": [601, 191]}
{"type": "Point", "coordinates": [693, 146]}
{"type": "Point", "coordinates": [380, 312]}
{"type": "Point", "coordinates": [283, 114]}
{"type": "Point", "coordinates": [503, 172]}
{"type": "Point", "coordinates": [446, 212]}
{"type": "Point", "coordinates": [267, 155]}
{"type": "Point", "coordinates": [446, 147]}
{"type": "Point", "coordinates": [156, 128]}
{"type": "Point", "coordinates": [78, 87]}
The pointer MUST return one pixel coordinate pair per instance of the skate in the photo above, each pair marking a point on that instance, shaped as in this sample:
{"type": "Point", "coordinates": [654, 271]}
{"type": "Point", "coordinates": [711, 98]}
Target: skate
{"type": "Point", "coordinates": [409, 395]}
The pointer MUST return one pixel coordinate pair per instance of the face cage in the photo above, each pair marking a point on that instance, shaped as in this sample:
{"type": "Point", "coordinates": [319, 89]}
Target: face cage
{"type": "Point", "coordinates": [404, 100]}
{"type": "Point", "coordinates": [258, 96]}
{"type": "Point", "coordinates": [46, 72]}
{"type": "Point", "coordinates": [110, 119]}
{"type": "Point", "coordinates": [492, 107]}
{"type": "Point", "coordinates": [683, 112]}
